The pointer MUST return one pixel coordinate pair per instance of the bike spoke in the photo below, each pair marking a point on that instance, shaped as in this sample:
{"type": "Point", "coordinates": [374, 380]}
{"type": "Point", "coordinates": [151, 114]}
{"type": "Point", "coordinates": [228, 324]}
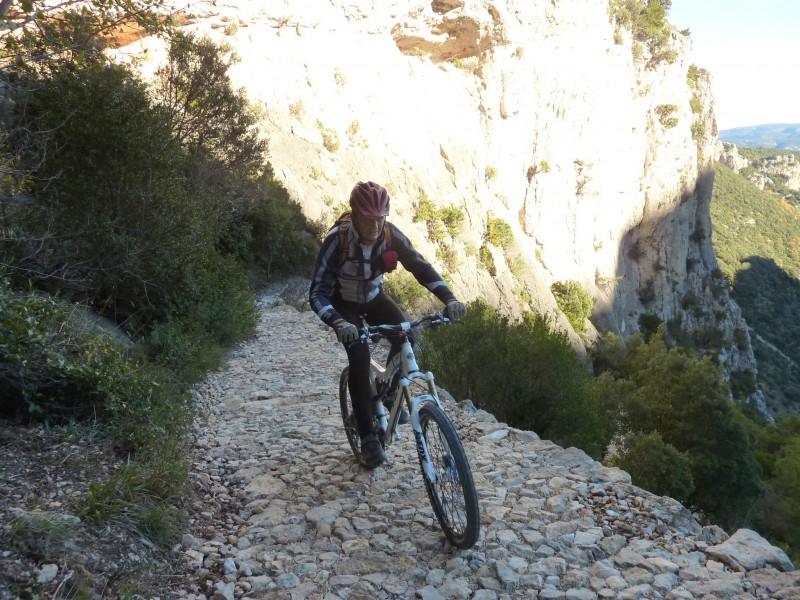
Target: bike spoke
{"type": "Point", "coordinates": [447, 484]}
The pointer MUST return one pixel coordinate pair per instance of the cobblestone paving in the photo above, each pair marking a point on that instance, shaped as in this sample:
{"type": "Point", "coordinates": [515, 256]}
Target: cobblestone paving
{"type": "Point", "coordinates": [289, 514]}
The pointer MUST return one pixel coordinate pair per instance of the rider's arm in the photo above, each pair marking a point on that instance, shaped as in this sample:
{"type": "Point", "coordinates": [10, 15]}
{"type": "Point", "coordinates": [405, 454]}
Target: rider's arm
{"type": "Point", "coordinates": [420, 268]}
{"type": "Point", "coordinates": [324, 278]}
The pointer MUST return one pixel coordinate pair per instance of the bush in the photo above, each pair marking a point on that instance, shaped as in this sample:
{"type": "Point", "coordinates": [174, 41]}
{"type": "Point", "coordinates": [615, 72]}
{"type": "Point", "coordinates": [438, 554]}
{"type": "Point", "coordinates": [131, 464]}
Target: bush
{"type": "Point", "coordinates": [650, 388]}
{"type": "Point", "coordinates": [574, 302]}
{"type": "Point", "coordinates": [498, 233]}
{"type": "Point", "coordinates": [522, 372]}
{"type": "Point", "coordinates": [59, 364]}
{"type": "Point", "coordinates": [664, 112]}
{"type": "Point", "coordinates": [656, 466]}
{"type": "Point", "coordinates": [648, 23]}
{"type": "Point", "coordinates": [449, 219]}
{"type": "Point", "coordinates": [486, 260]}
{"type": "Point", "coordinates": [408, 293]}
{"type": "Point", "coordinates": [107, 220]}
{"type": "Point", "coordinates": [280, 245]}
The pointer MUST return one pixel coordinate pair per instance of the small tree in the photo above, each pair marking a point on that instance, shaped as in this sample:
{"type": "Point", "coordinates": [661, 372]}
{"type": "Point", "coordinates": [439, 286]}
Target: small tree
{"type": "Point", "coordinates": [522, 372]}
{"type": "Point", "coordinates": [498, 233]}
{"type": "Point", "coordinates": [574, 302]}
{"type": "Point", "coordinates": [656, 466]}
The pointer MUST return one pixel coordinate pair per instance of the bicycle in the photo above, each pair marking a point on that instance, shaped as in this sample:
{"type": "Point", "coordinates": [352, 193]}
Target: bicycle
{"type": "Point", "coordinates": [443, 462]}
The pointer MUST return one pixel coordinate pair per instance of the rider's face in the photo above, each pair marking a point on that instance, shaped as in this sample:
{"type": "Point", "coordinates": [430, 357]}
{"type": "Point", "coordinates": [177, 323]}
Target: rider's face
{"type": "Point", "coordinates": [369, 228]}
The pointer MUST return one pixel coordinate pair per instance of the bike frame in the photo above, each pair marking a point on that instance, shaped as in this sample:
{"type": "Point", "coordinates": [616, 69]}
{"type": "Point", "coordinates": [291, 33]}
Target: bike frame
{"type": "Point", "coordinates": [405, 362]}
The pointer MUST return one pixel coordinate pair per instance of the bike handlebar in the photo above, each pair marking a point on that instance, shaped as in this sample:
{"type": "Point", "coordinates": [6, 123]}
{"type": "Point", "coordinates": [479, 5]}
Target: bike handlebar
{"type": "Point", "coordinates": [437, 318]}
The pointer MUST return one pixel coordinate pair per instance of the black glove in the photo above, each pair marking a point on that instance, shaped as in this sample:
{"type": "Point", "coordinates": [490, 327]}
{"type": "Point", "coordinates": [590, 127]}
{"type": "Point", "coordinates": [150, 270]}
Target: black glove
{"type": "Point", "coordinates": [346, 332]}
{"type": "Point", "coordinates": [455, 310]}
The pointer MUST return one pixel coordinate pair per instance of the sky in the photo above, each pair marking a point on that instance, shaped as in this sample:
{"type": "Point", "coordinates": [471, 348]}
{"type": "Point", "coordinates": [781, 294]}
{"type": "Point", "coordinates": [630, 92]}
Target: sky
{"type": "Point", "coordinates": [752, 50]}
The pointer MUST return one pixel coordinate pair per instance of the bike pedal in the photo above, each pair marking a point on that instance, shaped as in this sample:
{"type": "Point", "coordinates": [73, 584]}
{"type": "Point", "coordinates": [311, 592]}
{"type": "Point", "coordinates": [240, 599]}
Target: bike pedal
{"type": "Point", "coordinates": [398, 435]}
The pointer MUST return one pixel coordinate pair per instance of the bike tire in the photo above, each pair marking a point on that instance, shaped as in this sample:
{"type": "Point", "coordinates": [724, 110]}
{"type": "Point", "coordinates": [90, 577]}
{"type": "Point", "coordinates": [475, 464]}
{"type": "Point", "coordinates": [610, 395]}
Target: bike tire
{"type": "Point", "coordinates": [348, 418]}
{"type": "Point", "coordinates": [453, 496]}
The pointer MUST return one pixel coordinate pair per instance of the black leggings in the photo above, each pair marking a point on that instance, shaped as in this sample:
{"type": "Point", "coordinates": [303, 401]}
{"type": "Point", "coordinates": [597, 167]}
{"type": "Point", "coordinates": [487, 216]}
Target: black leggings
{"type": "Point", "coordinates": [379, 311]}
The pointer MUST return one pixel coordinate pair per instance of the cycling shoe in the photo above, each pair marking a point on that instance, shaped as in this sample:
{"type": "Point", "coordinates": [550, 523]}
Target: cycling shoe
{"type": "Point", "coordinates": [372, 454]}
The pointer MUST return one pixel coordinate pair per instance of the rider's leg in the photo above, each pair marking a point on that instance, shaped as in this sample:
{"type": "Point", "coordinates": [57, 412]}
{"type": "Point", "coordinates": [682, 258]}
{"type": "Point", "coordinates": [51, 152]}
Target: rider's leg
{"type": "Point", "coordinates": [360, 390]}
{"type": "Point", "coordinates": [358, 359]}
{"type": "Point", "coordinates": [383, 310]}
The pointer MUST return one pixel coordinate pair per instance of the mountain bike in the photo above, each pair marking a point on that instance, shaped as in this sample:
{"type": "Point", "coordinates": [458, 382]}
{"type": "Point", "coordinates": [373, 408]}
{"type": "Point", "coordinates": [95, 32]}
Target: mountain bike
{"type": "Point", "coordinates": [443, 462]}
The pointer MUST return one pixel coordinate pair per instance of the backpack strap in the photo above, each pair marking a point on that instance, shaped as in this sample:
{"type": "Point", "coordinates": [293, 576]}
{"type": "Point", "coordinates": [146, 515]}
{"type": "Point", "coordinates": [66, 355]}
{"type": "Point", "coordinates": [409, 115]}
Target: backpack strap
{"type": "Point", "coordinates": [387, 235]}
{"type": "Point", "coordinates": [344, 222]}
{"type": "Point", "coordinates": [344, 241]}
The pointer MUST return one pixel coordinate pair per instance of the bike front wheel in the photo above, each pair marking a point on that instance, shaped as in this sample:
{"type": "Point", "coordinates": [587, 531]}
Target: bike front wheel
{"type": "Point", "coordinates": [451, 489]}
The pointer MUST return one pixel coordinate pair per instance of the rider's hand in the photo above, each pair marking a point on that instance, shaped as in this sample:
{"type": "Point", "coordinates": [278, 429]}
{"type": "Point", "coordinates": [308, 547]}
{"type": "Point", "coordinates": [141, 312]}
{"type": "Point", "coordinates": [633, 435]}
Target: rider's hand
{"type": "Point", "coordinates": [346, 332]}
{"type": "Point", "coordinates": [456, 310]}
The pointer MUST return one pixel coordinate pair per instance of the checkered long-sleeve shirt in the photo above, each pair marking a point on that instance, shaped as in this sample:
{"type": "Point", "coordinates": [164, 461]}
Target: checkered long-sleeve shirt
{"type": "Point", "coordinates": [359, 279]}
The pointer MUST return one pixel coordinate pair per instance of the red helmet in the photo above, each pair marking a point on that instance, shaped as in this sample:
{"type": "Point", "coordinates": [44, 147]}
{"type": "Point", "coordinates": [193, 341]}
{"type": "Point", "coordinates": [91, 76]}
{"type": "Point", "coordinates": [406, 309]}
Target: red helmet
{"type": "Point", "coordinates": [370, 199]}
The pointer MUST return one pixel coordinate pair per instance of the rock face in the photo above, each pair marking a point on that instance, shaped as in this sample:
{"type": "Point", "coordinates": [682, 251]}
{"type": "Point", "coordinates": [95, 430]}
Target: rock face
{"type": "Point", "coordinates": [785, 166]}
{"type": "Point", "coordinates": [534, 112]}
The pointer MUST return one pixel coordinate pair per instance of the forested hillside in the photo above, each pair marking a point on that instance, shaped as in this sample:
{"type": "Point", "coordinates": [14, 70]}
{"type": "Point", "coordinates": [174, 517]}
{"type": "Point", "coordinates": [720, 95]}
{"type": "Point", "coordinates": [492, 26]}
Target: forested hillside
{"type": "Point", "coordinates": [757, 241]}
{"type": "Point", "coordinates": [136, 221]}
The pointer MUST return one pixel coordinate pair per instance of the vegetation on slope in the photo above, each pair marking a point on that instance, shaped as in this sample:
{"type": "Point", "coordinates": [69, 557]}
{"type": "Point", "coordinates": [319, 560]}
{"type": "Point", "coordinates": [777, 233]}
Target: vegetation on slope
{"type": "Point", "coordinates": [773, 182]}
{"type": "Point", "coordinates": [757, 242]}
{"type": "Point", "coordinates": [659, 411]}
{"type": "Point", "coordinates": [133, 222]}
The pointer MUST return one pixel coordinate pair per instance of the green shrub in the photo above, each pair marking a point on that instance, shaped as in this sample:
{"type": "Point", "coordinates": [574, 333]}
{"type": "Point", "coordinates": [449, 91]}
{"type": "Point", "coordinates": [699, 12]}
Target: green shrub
{"type": "Point", "coordinates": [280, 244]}
{"type": "Point", "coordinates": [498, 233]}
{"type": "Point", "coordinates": [650, 388]}
{"type": "Point", "coordinates": [207, 115]}
{"type": "Point", "coordinates": [779, 455]}
{"type": "Point", "coordinates": [649, 324]}
{"type": "Point", "coordinates": [408, 293]}
{"type": "Point", "coordinates": [330, 137]}
{"type": "Point", "coordinates": [439, 221]}
{"type": "Point", "coordinates": [691, 76]}
{"type": "Point", "coordinates": [43, 535]}
{"type": "Point", "coordinates": [144, 496]}
{"type": "Point", "coordinates": [453, 218]}
{"type": "Point", "coordinates": [665, 112]}
{"type": "Point", "coordinates": [574, 302]}
{"type": "Point", "coordinates": [449, 257]}
{"type": "Point", "coordinates": [656, 466]}
{"type": "Point", "coordinates": [648, 23]}
{"type": "Point", "coordinates": [57, 364]}
{"type": "Point", "coordinates": [698, 130]}
{"type": "Point", "coordinates": [522, 372]}
{"type": "Point", "coordinates": [486, 260]}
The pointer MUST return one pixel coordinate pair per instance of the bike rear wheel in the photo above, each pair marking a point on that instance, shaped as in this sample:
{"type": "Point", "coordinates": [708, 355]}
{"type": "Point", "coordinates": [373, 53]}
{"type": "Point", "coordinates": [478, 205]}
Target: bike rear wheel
{"type": "Point", "coordinates": [452, 491]}
{"type": "Point", "coordinates": [348, 418]}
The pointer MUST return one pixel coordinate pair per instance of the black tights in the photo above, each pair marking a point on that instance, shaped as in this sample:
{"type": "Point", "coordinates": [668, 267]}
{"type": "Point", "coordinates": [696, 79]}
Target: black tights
{"type": "Point", "coordinates": [379, 311]}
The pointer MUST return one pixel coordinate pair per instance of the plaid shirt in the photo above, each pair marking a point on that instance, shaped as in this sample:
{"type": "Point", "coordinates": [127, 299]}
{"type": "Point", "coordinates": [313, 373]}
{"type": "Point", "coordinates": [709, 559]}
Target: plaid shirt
{"type": "Point", "coordinates": [360, 279]}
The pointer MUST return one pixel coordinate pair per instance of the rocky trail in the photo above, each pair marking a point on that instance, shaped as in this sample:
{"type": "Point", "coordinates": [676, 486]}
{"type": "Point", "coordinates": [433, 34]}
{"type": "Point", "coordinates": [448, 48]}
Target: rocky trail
{"type": "Point", "coordinates": [287, 513]}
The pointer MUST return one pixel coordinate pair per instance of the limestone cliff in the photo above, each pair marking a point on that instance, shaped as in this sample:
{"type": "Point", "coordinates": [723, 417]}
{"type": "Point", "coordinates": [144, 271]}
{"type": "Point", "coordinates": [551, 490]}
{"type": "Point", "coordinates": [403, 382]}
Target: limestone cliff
{"type": "Point", "coordinates": [536, 112]}
{"type": "Point", "coordinates": [783, 167]}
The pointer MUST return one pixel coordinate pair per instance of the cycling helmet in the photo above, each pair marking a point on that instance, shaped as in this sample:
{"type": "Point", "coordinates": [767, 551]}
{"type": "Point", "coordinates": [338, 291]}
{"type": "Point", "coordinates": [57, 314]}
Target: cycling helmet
{"type": "Point", "coordinates": [370, 200]}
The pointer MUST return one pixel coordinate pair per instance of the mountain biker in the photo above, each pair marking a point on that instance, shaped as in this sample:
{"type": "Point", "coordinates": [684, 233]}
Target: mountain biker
{"type": "Point", "coordinates": [348, 284]}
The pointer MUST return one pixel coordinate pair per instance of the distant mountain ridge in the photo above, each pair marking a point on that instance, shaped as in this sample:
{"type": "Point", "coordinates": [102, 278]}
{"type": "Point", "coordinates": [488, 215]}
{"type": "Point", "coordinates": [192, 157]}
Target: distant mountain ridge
{"type": "Point", "coordinates": [774, 135]}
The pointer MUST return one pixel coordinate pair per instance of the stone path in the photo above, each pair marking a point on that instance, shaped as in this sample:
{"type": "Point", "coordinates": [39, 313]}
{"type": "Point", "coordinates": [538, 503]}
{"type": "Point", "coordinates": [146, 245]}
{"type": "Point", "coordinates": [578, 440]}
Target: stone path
{"type": "Point", "coordinates": [289, 514]}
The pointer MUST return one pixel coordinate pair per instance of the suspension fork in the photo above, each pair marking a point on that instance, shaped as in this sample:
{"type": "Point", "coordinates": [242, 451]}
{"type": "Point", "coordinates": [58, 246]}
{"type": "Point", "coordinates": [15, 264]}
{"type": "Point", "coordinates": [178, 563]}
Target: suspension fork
{"type": "Point", "coordinates": [422, 446]}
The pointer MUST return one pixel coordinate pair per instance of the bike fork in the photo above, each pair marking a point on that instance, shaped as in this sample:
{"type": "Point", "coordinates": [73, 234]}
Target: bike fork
{"type": "Point", "coordinates": [422, 447]}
